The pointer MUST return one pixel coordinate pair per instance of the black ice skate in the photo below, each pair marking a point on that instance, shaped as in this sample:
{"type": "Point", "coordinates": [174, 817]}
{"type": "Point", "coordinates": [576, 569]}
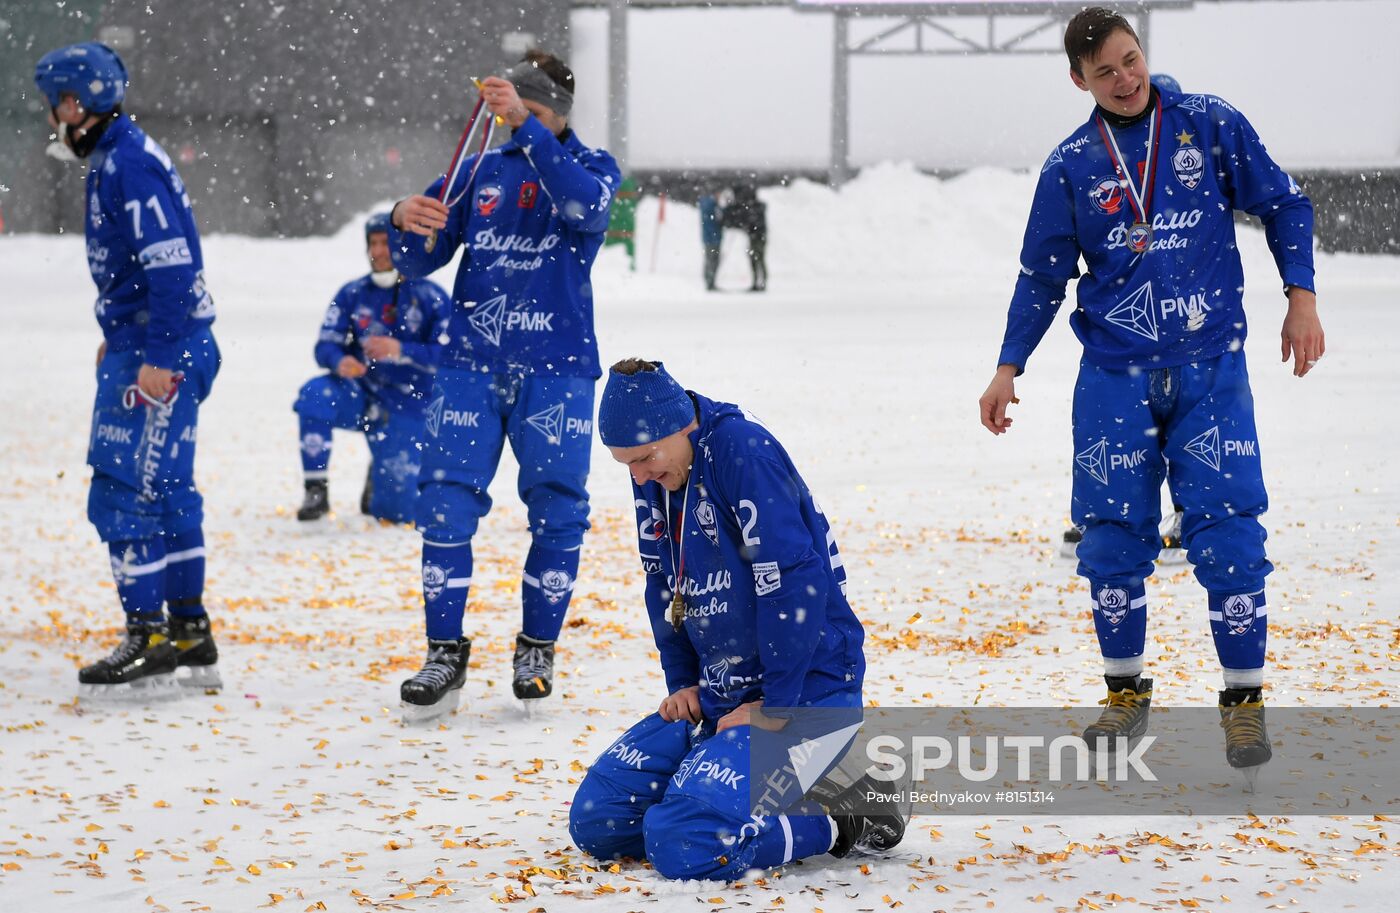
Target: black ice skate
{"type": "Point", "coordinates": [142, 666]}
{"type": "Point", "coordinates": [1172, 552]}
{"type": "Point", "coordinates": [437, 688]}
{"type": "Point", "coordinates": [368, 491]}
{"type": "Point", "coordinates": [1247, 745]}
{"type": "Point", "coordinates": [865, 824]}
{"type": "Point", "coordinates": [317, 502]}
{"type": "Point", "coordinates": [1069, 546]}
{"type": "Point", "coordinates": [534, 668]}
{"type": "Point", "coordinates": [1123, 719]}
{"type": "Point", "coordinates": [197, 655]}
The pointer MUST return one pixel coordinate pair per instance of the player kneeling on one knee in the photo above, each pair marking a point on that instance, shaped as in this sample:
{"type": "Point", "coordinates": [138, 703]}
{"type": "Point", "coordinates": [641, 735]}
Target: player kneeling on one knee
{"type": "Point", "coordinates": [381, 342]}
{"type": "Point", "coordinates": [745, 590]}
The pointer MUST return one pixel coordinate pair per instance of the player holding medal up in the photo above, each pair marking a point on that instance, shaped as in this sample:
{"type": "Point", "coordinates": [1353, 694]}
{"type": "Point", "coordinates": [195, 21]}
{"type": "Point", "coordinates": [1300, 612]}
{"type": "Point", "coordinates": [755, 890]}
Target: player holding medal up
{"type": "Point", "coordinates": [1144, 192]}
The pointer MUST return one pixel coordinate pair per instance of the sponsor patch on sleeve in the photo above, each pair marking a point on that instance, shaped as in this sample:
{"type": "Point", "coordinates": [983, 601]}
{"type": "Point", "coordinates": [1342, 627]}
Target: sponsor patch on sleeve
{"type": "Point", "coordinates": [174, 252]}
{"type": "Point", "coordinates": [766, 577]}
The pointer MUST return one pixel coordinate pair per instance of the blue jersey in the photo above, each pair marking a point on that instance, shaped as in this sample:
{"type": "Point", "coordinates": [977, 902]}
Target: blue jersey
{"type": "Point", "coordinates": [415, 312]}
{"type": "Point", "coordinates": [1181, 300]}
{"type": "Point", "coordinates": [763, 583]}
{"type": "Point", "coordinates": [531, 225]}
{"type": "Point", "coordinates": [143, 248]}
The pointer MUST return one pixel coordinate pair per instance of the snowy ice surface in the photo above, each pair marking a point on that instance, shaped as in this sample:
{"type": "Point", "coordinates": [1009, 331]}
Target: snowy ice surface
{"type": "Point", "coordinates": [297, 785]}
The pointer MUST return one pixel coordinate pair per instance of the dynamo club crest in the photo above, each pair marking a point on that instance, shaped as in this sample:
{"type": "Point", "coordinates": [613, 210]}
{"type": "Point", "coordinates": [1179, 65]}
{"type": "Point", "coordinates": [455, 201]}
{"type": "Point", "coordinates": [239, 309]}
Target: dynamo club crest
{"type": "Point", "coordinates": [705, 516]}
{"type": "Point", "coordinates": [1239, 613]}
{"type": "Point", "coordinates": [1113, 604]}
{"type": "Point", "coordinates": [1189, 165]}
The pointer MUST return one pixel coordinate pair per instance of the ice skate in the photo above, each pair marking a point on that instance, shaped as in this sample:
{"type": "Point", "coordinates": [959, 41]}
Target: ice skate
{"type": "Point", "coordinates": [368, 492]}
{"type": "Point", "coordinates": [142, 667]}
{"type": "Point", "coordinates": [317, 502]}
{"type": "Point", "coordinates": [1123, 719]}
{"type": "Point", "coordinates": [534, 669]}
{"type": "Point", "coordinates": [1247, 746]}
{"type": "Point", "coordinates": [436, 690]}
{"type": "Point", "coordinates": [197, 654]}
{"type": "Point", "coordinates": [1069, 545]}
{"type": "Point", "coordinates": [868, 819]}
{"type": "Point", "coordinates": [1172, 552]}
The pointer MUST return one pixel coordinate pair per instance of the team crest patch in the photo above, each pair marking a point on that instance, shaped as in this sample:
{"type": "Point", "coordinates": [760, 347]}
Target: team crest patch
{"type": "Point", "coordinates": [1188, 162]}
{"type": "Point", "coordinates": [1238, 612]}
{"type": "Point", "coordinates": [487, 199]}
{"type": "Point", "coordinates": [1113, 604]}
{"type": "Point", "coordinates": [434, 581]}
{"type": "Point", "coordinates": [413, 318]}
{"type": "Point", "coordinates": [705, 516]}
{"type": "Point", "coordinates": [555, 584]}
{"type": "Point", "coordinates": [1107, 195]}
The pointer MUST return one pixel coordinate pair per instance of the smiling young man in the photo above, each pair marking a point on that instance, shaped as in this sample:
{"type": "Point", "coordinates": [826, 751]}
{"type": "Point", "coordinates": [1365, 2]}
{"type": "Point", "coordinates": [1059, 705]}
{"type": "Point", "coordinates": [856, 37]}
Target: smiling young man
{"type": "Point", "coordinates": [745, 590]}
{"type": "Point", "coordinates": [1145, 193]}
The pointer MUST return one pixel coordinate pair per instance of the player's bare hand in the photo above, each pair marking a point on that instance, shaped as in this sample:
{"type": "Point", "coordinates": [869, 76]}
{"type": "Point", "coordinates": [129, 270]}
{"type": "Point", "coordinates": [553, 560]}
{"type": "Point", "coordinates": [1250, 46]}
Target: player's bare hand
{"type": "Point", "coordinates": [350, 367]}
{"type": "Point", "coordinates": [155, 382]}
{"type": "Point", "coordinates": [420, 215]}
{"type": "Point", "coordinates": [378, 348]}
{"type": "Point", "coordinates": [683, 705]}
{"type": "Point", "coordinates": [1001, 392]}
{"type": "Point", "coordinates": [502, 99]}
{"type": "Point", "coordinates": [1302, 334]}
{"type": "Point", "coordinates": [101, 351]}
{"type": "Point", "coordinates": [750, 714]}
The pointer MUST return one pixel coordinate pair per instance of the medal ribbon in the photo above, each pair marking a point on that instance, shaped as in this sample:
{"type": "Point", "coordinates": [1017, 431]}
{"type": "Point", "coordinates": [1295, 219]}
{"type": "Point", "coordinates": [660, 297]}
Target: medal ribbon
{"type": "Point", "coordinates": [678, 557]}
{"type": "Point", "coordinates": [1139, 198]}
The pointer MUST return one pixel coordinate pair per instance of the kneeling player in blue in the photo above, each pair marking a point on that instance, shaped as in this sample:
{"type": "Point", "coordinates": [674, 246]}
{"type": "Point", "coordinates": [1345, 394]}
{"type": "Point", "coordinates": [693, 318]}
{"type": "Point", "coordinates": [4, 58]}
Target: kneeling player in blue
{"type": "Point", "coordinates": [1145, 191]}
{"type": "Point", "coordinates": [156, 365]}
{"type": "Point", "coordinates": [745, 590]}
{"type": "Point", "coordinates": [381, 341]}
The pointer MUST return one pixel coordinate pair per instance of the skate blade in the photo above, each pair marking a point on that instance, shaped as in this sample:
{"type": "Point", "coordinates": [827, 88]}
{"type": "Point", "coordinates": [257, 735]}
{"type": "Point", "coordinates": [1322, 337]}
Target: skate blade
{"type": "Point", "coordinates": [1069, 549]}
{"type": "Point", "coordinates": [197, 677]}
{"type": "Point", "coordinates": [1172, 556]}
{"type": "Point", "coordinates": [426, 713]}
{"type": "Point", "coordinates": [150, 688]}
{"type": "Point", "coordinates": [531, 708]}
{"type": "Point", "coordinates": [1251, 777]}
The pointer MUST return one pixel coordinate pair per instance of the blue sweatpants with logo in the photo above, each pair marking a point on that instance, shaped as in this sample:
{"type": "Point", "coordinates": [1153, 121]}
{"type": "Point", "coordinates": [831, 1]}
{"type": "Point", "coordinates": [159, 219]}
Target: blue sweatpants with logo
{"type": "Point", "coordinates": [549, 424]}
{"type": "Point", "coordinates": [143, 499]}
{"type": "Point", "coordinates": [681, 799]}
{"type": "Point", "coordinates": [330, 401]}
{"type": "Point", "coordinates": [1194, 426]}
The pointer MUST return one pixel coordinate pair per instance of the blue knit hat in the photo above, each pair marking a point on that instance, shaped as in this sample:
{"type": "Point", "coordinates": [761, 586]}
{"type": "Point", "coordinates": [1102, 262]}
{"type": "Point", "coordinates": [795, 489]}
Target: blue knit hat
{"type": "Point", "coordinates": [641, 408]}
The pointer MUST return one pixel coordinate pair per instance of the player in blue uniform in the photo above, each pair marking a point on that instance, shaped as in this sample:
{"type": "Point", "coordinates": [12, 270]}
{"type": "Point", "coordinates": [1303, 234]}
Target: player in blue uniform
{"type": "Point", "coordinates": [381, 341]}
{"type": "Point", "coordinates": [520, 365]}
{"type": "Point", "coordinates": [156, 365]}
{"type": "Point", "coordinates": [745, 590]}
{"type": "Point", "coordinates": [1145, 193]}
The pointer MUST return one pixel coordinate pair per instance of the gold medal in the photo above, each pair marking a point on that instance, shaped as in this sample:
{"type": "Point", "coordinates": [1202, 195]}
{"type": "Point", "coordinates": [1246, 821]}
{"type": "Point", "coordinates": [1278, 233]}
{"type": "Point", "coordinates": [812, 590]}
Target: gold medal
{"type": "Point", "coordinates": [677, 611]}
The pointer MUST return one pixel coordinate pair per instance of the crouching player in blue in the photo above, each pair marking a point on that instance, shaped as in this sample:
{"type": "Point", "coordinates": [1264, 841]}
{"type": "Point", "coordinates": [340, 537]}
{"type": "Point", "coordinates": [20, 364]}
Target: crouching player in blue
{"type": "Point", "coordinates": [520, 365]}
{"type": "Point", "coordinates": [156, 365]}
{"type": "Point", "coordinates": [745, 590]}
{"type": "Point", "coordinates": [381, 341]}
{"type": "Point", "coordinates": [1144, 191]}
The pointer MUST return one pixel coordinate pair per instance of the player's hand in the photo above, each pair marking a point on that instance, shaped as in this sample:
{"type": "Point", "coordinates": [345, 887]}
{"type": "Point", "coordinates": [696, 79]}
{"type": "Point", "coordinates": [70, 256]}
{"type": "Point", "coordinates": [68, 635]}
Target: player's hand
{"type": "Point", "coordinates": [350, 367]}
{"type": "Point", "coordinates": [101, 351]}
{"type": "Point", "coordinates": [155, 382]}
{"type": "Point", "coordinates": [1302, 332]}
{"type": "Point", "coordinates": [420, 215]}
{"type": "Point", "coordinates": [1001, 392]}
{"type": "Point", "coordinates": [502, 99]}
{"type": "Point", "coordinates": [750, 714]}
{"type": "Point", "coordinates": [683, 705]}
{"type": "Point", "coordinates": [379, 348]}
